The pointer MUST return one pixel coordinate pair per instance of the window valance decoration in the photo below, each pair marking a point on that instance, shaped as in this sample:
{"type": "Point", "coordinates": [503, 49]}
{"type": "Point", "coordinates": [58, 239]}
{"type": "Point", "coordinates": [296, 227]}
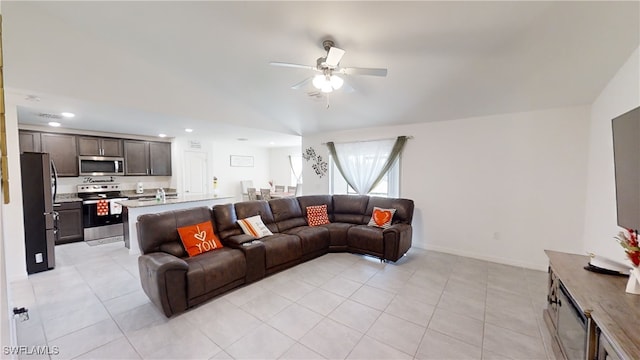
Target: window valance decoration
{"type": "Point", "coordinates": [363, 164]}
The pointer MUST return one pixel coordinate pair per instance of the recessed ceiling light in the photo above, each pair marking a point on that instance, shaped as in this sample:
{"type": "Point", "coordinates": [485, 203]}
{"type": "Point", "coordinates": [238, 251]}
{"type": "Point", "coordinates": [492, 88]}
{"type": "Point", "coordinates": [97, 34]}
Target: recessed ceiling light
{"type": "Point", "coordinates": [272, 143]}
{"type": "Point", "coordinates": [162, 135]}
{"type": "Point", "coordinates": [243, 139]}
{"type": "Point", "coordinates": [68, 114]}
{"type": "Point", "coordinates": [54, 123]}
{"type": "Point", "coordinates": [188, 130]}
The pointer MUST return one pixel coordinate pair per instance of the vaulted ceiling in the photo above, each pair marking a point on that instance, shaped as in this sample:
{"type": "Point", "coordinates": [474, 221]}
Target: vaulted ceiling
{"type": "Point", "coordinates": [160, 66]}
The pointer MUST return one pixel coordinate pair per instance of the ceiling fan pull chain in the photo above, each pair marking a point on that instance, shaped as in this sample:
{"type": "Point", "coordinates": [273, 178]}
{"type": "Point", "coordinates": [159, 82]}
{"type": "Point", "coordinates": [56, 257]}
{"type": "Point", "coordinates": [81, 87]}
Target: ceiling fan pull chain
{"type": "Point", "coordinates": [327, 100]}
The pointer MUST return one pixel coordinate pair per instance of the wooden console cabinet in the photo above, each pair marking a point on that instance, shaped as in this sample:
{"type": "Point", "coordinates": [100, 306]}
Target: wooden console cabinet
{"type": "Point", "coordinates": [589, 315]}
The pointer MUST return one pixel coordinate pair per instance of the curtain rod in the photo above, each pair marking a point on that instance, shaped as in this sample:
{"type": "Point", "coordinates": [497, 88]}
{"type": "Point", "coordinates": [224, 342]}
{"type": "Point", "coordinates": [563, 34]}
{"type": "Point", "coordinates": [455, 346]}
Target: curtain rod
{"type": "Point", "coordinates": [342, 142]}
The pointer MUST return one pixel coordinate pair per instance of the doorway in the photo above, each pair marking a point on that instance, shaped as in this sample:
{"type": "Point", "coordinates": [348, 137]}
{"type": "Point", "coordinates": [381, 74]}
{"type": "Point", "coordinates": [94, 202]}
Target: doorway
{"type": "Point", "coordinates": [195, 173]}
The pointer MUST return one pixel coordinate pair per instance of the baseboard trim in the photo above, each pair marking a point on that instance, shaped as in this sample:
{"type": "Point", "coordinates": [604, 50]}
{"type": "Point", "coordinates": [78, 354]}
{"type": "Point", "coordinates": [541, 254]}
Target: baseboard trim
{"type": "Point", "coordinates": [499, 260]}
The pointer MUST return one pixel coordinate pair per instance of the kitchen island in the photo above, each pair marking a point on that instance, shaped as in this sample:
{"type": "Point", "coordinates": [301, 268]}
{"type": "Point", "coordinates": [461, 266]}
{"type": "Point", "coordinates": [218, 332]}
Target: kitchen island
{"type": "Point", "coordinates": [131, 209]}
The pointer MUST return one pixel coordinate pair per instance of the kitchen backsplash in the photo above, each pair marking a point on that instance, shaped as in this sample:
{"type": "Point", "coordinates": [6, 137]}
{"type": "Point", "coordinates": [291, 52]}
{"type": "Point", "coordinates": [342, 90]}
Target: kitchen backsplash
{"type": "Point", "coordinates": [69, 184]}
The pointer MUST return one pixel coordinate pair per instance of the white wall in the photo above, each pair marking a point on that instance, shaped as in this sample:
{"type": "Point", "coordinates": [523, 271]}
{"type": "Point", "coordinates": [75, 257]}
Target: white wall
{"type": "Point", "coordinates": [279, 167]}
{"type": "Point", "coordinates": [218, 153]}
{"type": "Point", "coordinates": [500, 188]}
{"type": "Point", "coordinates": [12, 212]}
{"type": "Point", "coordinates": [620, 95]}
{"type": "Point", "coordinates": [229, 177]}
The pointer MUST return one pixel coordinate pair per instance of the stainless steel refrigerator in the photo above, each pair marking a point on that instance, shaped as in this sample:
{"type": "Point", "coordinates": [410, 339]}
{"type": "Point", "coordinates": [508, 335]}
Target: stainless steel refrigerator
{"type": "Point", "coordinates": [39, 187]}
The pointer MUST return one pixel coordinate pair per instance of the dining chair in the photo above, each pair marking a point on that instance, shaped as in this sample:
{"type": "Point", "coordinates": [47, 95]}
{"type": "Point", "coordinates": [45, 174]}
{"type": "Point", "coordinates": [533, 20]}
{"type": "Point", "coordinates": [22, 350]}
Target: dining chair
{"type": "Point", "coordinates": [245, 185]}
{"type": "Point", "coordinates": [265, 194]}
{"type": "Point", "coordinates": [251, 194]}
{"type": "Point", "coordinates": [279, 188]}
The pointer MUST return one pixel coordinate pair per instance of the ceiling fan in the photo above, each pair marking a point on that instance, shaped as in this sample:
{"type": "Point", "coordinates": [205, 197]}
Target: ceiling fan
{"type": "Point", "coordinates": [329, 68]}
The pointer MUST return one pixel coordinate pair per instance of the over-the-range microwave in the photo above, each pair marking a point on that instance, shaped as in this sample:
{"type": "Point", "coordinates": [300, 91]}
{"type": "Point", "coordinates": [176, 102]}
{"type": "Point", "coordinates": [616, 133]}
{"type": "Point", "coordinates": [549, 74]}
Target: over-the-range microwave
{"type": "Point", "coordinates": [100, 165]}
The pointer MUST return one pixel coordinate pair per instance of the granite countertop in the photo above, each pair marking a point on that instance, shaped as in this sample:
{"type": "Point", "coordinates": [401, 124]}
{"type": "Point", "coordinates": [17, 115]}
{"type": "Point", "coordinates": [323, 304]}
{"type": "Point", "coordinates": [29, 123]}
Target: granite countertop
{"type": "Point", "coordinates": [148, 193]}
{"type": "Point", "coordinates": [131, 194]}
{"type": "Point", "coordinates": [65, 198]}
{"type": "Point", "coordinates": [137, 203]}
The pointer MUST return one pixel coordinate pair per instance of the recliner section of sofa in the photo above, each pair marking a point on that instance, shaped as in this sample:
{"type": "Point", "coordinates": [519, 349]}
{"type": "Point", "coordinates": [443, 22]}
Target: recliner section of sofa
{"type": "Point", "coordinates": [175, 282]}
{"type": "Point", "coordinates": [172, 280]}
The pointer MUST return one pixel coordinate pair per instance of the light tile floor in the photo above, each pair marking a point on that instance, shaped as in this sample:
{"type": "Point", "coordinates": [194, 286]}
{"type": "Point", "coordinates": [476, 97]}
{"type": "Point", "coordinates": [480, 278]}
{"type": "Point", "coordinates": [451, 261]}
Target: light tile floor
{"type": "Point", "coordinates": [428, 305]}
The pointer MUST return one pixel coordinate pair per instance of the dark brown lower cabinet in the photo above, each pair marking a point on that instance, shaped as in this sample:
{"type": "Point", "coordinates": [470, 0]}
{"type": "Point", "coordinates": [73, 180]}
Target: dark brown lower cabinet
{"type": "Point", "coordinates": [69, 222]}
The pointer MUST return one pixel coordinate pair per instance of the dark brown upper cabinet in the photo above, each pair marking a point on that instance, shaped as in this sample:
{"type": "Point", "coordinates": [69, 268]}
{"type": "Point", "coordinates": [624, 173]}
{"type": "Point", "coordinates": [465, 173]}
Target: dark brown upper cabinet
{"type": "Point", "coordinates": [147, 158]}
{"type": "Point", "coordinates": [97, 146]}
{"type": "Point", "coordinates": [29, 141]}
{"type": "Point", "coordinates": [63, 151]}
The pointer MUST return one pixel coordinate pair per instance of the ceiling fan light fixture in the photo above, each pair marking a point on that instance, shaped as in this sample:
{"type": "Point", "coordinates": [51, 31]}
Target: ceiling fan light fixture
{"type": "Point", "coordinates": [318, 81]}
{"type": "Point", "coordinates": [336, 82]}
{"type": "Point", "coordinates": [326, 87]}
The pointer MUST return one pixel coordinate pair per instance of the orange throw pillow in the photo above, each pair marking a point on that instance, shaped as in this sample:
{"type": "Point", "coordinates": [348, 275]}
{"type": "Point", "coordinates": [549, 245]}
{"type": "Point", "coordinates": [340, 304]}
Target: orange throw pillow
{"type": "Point", "coordinates": [317, 215]}
{"type": "Point", "coordinates": [381, 217]}
{"type": "Point", "coordinates": [199, 238]}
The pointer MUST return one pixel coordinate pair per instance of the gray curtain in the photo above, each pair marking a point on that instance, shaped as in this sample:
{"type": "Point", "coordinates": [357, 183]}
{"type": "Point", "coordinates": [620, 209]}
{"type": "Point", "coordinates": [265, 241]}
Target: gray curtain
{"type": "Point", "coordinates": [346, 167]}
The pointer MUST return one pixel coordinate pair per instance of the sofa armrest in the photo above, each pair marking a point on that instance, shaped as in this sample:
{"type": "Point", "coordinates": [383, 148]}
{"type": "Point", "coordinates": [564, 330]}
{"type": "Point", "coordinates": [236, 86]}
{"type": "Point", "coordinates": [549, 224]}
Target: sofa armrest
{"type": "Point", "coordinates": [236, 241]}
{"type": "Point", "coordinates": [397, 241]}
{"type": "Point", "coordinates": [164, 280]}
{"type": "Point", "coordinates": [254, 253]}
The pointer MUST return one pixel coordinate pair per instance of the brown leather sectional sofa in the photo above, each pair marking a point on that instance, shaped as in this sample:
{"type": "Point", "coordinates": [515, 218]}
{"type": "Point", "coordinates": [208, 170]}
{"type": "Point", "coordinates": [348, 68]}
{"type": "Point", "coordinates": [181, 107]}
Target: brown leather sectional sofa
{"type": "Point", "coordinates": [175, 282]}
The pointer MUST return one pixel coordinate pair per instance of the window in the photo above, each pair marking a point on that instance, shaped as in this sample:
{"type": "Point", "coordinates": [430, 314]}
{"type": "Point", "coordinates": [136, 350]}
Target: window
{"type": "Point", "coordinates": [389, 186]}
{"type": "Point", "coordinates": [369, 167]}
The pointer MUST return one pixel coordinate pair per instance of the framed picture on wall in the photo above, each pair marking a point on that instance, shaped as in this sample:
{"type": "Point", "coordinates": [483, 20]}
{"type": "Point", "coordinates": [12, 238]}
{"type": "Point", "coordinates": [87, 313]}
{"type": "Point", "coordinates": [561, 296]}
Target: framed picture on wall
{"type": "Point", "coordinates": [241, 161]}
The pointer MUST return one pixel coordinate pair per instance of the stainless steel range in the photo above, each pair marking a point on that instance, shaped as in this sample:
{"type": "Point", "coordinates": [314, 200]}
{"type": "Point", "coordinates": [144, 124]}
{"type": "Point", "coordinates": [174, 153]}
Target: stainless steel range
{"type": "Point", "coordinates": [101, 215]}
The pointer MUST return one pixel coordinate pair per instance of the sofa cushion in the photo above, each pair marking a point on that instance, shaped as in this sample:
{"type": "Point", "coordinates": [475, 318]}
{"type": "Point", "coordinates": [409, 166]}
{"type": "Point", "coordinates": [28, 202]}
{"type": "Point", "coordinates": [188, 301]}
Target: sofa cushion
{"type": "Point", "coordinates": [247, 209]}
{"type": "Point", "coordinates": [226, 222]}
{"type": "Point", "coordinates": [338, 234]}
{"type": "Point", "coordinates": [317, 215]}
{"type": "Point", "coordinates": [174, 248]}
{"type": "Point", "coordinates": [199, 238]}
{"type": "Point", "coordinates": [350, 209]}
{"type": "Point", "coordinates": [312, 239]}
{"type": "Point", "coordinates": [287, 213]}
{"type": "Point", "coordinates": [157, 229]}
{"type": "Point", "coordinates": [315, 200]}
{"type": "Point", "coordinates": [212, 270]}
{"type": "Point", "coordinates": [281, 248]}
{"type": "Point", "coordinates": [366, 239]}
{"type": "Point", "coordinates": [404, 208]}
{"type": "Point", "coordinates": [254, 227]}
{"type": "Point", "coordinates": [381, 217]}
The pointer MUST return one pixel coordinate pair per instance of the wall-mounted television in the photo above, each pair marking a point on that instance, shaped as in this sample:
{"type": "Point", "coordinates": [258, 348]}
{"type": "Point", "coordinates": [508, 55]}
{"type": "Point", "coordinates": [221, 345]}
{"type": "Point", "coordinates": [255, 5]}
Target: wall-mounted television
{"type": "Point", "coordinates": [626, 153]}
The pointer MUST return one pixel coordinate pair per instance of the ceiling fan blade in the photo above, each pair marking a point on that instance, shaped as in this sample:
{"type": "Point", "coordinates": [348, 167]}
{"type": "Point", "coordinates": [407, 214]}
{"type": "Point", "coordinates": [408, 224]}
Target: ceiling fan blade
{"type": "Point", "coordinates": [283, 64]}
{"type": "Point", "coordinates": [334, 56]}
{"type": "Point", "coordinates": [302, 83]}
{"type": "Point", "coordinates": [364, 71]}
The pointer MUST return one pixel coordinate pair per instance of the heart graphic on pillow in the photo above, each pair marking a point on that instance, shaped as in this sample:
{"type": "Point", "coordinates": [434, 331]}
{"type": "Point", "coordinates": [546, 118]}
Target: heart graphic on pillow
{"type": "Point", "coordinates": [200, 235]}
{"type": "Point", "coordinates": [382, 216]}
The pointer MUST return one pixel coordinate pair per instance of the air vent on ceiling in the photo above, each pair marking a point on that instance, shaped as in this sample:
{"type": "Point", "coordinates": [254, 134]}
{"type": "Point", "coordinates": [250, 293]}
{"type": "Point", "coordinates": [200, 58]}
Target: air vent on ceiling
{"type": "Point", "coordinates": [50, 116]}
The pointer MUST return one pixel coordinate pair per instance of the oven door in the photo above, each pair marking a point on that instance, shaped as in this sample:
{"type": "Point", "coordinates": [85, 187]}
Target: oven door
{"type": "Point", "coordinates": [90, 217]}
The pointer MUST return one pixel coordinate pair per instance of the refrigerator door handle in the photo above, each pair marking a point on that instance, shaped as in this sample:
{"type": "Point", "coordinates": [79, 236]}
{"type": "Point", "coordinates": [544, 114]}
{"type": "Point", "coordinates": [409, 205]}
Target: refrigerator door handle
{"type": "Point", "coordinates": [55, 180]}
